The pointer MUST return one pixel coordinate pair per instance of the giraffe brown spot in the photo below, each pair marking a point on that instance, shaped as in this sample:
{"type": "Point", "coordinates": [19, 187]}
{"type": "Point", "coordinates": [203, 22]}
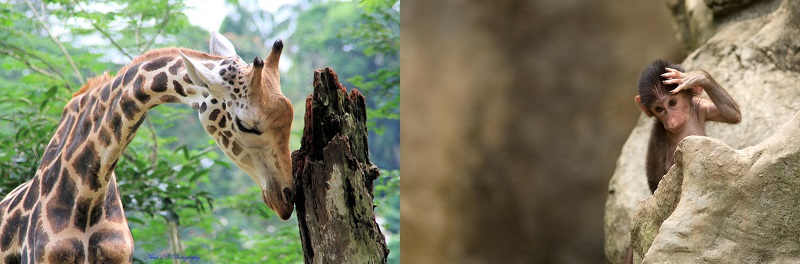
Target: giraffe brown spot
{"type": "Point", "coordinates": [222, 121]}
{"type": "Point", "coordinates": [19, 195]}
{"type": "Point", "coordinates": [228, 133]}
{"type": "Point", "coordinates": [40, 237]}
{"type": "Point", "coordinates": [169, 99]}
{"type": "Point", "coordinates": [13, 258]}
{"type": "Point", "coordinates": [222, 72]}
{"type": "Point", "coordinates": [129, 107]}
{"type": "Point", "coordinates": [115, 84]}
{"type": "Point", "coordinates": [138, 92]}
{"type": "Point", "coordinates": [49, 177]}
{"type": "Point", "coordinates": [82, 213]}
{"type": "Point", "coordinates": [97, 117]}
{"type": "Point", "coordinates": [103, 137]}
{"type": "Point", "coordinates": [68, 250]}
{"type": "Point", "coordinates": [247, 159]}
{"type": "Point", "coordinates": [225, 142]}
{"type": "Point", "coordinates": [59, 208]}
{"type": "Point", "coordinates": [205, 94]}
{"type": "Point", "coordinates": [87, 166]}
{"type": "Point", "coordinates": [108, 246]}
{"type": "Point", "coordinates": [97, 212]}
{"type": "Point", "coordinates": [209, 65]}
{"type": "Point", "coordinates": [236, 90]}
{"type": "Point", "coordinates": [195, 106]}
{"type": "Point", "coordinates": [129, 74]}
{"type": "Point", "coordinates": [52, 151]}
{"type": "Point", "coordinates": [213, 115]}
{"type": "Point", "coordinates": [157, 63]}
{"type": "Point", "coordinates": [159, 84]}
{"type": "Point", "coordinates": [112, 206]}
{"type": "Point", "coordinates": [203, 107]}
{"type": "Point", "coordinates": [174, 68]}
{"type": "Point", "coordinates": [10, 230]}
{"type": "Point", "coordinates": [22, 229]}
{"type": "Point", "coordinates": [32, 195]}
{"type": "Point", "coordinates": [214, 101]}
{"type": "Point", "coordinates": [116, 125]}
{"type": "Point", "coordinates": [178, 88]}
{"type": "Point", "coordinates": [186, 79]}
{"type": "Point", "coordinates": [236, 148]}
{"type": "Point", "coordinates": [105, 91]}
{"type": "Point", "coordinates": [211, 129]}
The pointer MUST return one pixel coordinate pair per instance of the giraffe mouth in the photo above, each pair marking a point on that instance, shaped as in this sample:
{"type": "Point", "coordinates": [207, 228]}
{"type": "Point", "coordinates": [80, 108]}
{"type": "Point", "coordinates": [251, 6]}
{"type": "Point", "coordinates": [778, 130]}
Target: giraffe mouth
{"type": "Point", "coordinates": [280, 202]}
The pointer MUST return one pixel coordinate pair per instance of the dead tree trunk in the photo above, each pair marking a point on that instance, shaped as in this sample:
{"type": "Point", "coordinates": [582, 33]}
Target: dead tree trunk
{"type": "Point", "coordinates": [334, 178]}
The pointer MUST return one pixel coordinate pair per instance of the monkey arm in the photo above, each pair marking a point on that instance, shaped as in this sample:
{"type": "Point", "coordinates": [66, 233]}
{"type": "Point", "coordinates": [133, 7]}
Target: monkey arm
{"type": "Point", "coordinates": [721, 107]}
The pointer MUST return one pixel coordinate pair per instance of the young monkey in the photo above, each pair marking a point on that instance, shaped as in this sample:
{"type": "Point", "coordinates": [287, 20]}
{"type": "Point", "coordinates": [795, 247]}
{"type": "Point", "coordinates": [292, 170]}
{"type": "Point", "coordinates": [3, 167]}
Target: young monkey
{"type": "Point", "coordinates": [671, 95]}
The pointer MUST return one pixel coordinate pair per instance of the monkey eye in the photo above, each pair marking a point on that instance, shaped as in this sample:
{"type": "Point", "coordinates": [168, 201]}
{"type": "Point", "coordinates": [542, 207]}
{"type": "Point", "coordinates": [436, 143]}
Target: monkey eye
{"type": "Point", "coordinates": [672, 102]}
{"type": "Point", "coordinates": [659, 109]}
{"type": "Point", "coordinates": [245, 129]}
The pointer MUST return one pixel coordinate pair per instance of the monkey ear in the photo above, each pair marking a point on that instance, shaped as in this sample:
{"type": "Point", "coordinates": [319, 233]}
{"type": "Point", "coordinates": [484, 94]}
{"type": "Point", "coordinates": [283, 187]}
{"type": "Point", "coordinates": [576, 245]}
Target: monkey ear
{"type": "Point", "coordinates": [644, 109]}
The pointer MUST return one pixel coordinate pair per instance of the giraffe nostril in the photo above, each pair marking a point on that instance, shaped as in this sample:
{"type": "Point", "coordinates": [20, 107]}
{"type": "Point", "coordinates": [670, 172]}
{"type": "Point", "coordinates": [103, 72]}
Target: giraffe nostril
{"type": "Point", "coordinates": [288, 194]}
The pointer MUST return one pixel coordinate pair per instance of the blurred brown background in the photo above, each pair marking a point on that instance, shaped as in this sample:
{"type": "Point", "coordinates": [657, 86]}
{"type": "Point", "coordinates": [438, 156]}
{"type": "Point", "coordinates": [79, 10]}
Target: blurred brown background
{"type": "Point", "coordinates": [514, 113]}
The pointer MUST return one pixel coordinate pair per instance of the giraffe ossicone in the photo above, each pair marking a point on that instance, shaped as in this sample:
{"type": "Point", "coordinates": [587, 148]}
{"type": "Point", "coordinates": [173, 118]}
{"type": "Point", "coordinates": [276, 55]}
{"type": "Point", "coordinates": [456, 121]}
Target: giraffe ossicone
{"type": "Point", "coordinates": [70, 211]}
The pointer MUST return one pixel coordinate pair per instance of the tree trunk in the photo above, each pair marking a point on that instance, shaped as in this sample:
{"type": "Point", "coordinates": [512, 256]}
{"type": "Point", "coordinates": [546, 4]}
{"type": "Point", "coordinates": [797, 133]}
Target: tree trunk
{"type": "Point", "coordinates": [335, 178]}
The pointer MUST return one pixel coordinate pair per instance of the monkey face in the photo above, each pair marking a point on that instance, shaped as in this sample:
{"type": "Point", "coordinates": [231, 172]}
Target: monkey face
{"type": "Point", "coordinates": [672, 110]}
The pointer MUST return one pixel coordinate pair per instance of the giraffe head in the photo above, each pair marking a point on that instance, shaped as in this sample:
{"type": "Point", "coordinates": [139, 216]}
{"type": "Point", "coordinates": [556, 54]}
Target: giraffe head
{"type": "Point", "coordinates": [248, 116]}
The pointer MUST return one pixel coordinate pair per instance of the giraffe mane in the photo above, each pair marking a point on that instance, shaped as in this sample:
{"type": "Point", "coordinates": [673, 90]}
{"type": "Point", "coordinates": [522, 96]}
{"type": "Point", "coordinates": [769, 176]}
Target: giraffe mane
{"type": "Point", "coordinates": [98, 81]}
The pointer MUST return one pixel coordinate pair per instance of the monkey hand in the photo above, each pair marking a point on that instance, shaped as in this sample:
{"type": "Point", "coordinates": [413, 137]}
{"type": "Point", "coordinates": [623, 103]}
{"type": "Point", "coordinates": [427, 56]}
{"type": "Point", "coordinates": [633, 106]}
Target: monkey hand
{"type": "Point", "coordinates": [690, 80]}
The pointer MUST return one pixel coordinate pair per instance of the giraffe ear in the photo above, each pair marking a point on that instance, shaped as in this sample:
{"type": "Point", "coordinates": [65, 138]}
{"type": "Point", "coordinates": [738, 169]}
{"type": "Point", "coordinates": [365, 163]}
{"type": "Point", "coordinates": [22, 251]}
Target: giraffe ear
{"type": "Point", "coordinates": [198, 73]}
{"type": "Point", "coordinates": [221, 46]}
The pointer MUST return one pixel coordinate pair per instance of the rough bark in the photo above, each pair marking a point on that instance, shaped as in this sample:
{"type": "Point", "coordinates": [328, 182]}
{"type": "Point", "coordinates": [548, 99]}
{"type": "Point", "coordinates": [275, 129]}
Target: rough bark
{"type": "Point", "coordinates": [334, 178]}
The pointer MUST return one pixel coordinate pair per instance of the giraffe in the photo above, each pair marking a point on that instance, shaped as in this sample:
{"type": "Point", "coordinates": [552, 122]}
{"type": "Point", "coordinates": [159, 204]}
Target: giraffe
{"type": "Point", "coordinates": [70, 211]}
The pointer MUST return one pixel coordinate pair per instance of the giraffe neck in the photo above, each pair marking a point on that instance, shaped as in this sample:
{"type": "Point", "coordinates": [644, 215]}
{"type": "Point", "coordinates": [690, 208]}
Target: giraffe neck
{"type": "Point", "coordinates": [97, 125]}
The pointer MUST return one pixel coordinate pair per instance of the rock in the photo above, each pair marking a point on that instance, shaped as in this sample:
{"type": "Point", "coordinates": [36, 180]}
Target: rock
{"type": "Point", "coordinates": [733, 206]}
{"type": "Point", "coordinates": [755, 55]}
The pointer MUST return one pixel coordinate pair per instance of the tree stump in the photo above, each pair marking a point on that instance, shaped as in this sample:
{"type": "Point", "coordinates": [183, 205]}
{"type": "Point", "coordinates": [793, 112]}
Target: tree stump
{"type": "Point", "coordinates": [334, 178]}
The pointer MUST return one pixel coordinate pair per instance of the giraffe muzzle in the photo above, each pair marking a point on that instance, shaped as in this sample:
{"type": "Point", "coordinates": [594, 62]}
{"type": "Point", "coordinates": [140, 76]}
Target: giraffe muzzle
{"type": "Point", "coordinates": [282, 202]}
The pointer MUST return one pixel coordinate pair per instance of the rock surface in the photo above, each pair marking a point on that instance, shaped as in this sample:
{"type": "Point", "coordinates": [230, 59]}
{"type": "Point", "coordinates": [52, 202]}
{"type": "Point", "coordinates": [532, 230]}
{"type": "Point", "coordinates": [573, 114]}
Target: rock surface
{"type": "Point", "coordinates": [735, 206]}
{"type": "Point", "coordinates": [755, 54]}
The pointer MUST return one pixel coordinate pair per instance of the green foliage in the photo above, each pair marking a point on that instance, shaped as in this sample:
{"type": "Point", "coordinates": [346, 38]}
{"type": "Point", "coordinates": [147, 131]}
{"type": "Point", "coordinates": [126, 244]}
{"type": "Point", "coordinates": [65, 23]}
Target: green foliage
{"type": "Point", "coordinates": [168, 185]}
{"type": "Point", "coordinates": [49, 48]}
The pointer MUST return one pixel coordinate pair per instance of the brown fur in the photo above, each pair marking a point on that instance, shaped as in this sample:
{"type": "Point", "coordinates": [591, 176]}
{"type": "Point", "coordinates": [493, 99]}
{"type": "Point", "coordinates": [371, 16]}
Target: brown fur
{"type": "Point", "coordinates": [656, 155]}
{"type": "Point", "coordinates": [94, 82]}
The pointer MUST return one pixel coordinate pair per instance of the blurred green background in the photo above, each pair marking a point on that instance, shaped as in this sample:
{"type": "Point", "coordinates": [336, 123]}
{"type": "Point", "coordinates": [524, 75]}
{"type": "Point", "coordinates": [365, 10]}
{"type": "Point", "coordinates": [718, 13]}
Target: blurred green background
{"type": "Point", "coordinates": [172, 177]}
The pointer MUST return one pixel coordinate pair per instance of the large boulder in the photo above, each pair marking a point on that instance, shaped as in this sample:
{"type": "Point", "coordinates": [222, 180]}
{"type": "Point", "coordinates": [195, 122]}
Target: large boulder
{"type": "Point", "coordinates": [726, 205]}
{"type": "Point", "coordinates": [754, 53]}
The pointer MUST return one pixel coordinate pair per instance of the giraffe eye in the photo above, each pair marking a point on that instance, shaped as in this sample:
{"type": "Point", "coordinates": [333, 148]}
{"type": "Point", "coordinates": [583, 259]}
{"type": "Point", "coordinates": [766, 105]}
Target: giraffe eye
{"type": "Point", "coordinates": [244, 128]}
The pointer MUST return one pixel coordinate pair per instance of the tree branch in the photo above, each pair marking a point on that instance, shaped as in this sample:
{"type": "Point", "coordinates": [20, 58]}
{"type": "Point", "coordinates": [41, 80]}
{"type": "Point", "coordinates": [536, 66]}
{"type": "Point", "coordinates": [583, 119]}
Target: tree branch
{"type": "Point", "coordinates": [154, 154]}
{"type": "Point", "coordinates": [23, 56]}
{"type": "Point", "coordinates": [162, 26]}
{"type": "Point", "coordinates": [75, 70]}
{"type": "Point", "coordinates": [104, 33]}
